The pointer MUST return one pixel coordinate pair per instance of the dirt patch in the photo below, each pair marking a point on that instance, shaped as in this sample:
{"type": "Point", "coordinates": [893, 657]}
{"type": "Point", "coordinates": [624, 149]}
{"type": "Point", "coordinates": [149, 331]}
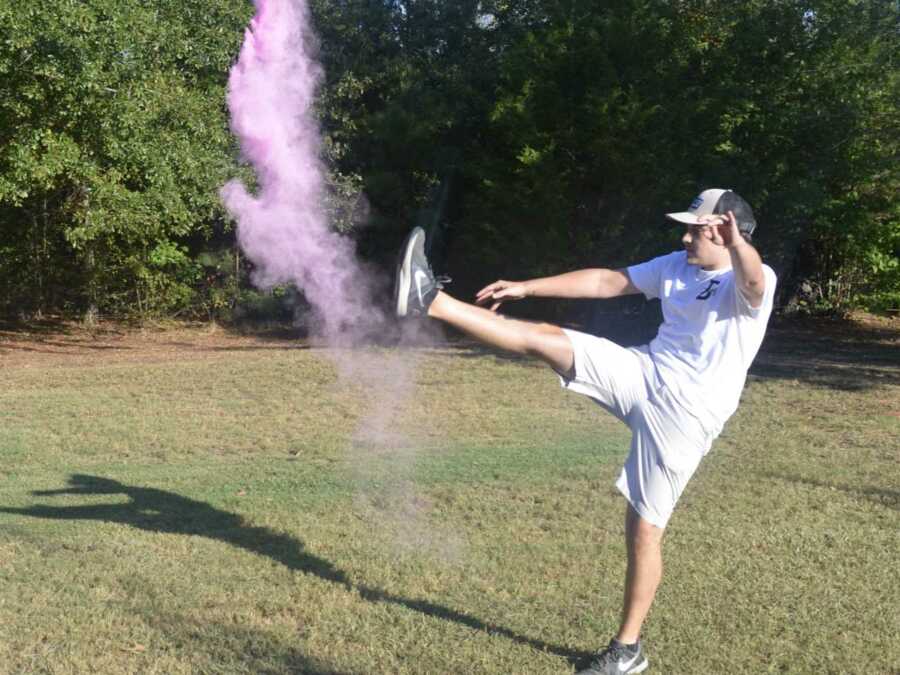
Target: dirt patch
{"type": "Point", "coordinates": [67, 344]}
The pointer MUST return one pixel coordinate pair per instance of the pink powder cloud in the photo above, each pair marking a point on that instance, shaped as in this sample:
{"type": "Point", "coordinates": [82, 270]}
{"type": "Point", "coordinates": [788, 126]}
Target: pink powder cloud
{"type": "Point", "coordinates": [283, 228]}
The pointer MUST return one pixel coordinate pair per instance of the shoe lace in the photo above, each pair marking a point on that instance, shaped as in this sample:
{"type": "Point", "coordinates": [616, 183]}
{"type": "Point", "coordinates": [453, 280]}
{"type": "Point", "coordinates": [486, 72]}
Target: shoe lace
{"type": "Point", "coordinates": [443, 280]}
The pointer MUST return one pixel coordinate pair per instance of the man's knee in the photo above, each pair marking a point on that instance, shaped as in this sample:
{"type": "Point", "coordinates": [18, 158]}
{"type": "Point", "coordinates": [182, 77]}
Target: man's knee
{"type": "Point", "coordinates": [640, 534]}
{"type": "Point", "coordinates": [549, 342]}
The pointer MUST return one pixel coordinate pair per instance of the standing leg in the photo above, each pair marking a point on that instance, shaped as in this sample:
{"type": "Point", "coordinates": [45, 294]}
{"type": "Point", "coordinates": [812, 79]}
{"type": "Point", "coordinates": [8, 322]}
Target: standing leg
{"type": "Point", "coordinates": [624, 653]}
{"type": "Point", "coordinates": [644, 545]}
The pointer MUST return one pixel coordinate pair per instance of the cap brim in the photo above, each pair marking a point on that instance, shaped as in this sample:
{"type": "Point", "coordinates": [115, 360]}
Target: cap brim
{"type": "Point", "coordinates": [684, 217]}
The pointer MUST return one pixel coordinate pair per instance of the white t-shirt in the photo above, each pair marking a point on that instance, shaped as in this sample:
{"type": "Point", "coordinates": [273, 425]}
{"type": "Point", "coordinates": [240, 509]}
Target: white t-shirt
{"type": "Point", "coordinates": [709, 335]}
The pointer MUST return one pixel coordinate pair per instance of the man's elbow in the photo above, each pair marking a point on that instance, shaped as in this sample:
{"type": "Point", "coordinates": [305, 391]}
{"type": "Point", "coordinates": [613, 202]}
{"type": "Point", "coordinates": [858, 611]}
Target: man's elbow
{"type": "Point", "coordinates": [613, 283]}
{"type": "Point", "coordinates": [602, 284]}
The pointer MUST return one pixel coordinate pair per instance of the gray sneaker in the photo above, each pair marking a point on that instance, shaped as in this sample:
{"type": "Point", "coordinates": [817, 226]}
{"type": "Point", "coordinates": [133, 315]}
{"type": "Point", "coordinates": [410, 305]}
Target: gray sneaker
{"type": "Point", "coordinates": [415, 285]}
{"type": "Point", "coordinates": [617, 659]}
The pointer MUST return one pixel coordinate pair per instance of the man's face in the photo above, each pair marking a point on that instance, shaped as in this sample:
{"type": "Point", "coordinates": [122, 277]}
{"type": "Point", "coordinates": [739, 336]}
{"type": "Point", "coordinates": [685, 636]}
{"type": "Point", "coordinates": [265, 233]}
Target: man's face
{"type": "Point", "coordinates": [699, 244]}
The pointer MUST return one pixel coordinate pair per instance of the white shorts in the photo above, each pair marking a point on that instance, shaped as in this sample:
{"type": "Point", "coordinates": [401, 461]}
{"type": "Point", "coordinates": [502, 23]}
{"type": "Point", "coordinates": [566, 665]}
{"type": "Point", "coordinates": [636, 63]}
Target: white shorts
{"type": "Point", "coordinates": [667, 441]}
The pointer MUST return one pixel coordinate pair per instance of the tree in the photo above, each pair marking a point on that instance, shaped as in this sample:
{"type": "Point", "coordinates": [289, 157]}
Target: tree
{"type": "Point", "coordinates": [531, 135]}
{"type": "Point", "coordinates": [618, 113]}
{"type": "Point", "coordinates": [409, 87]}
{"type": "Point", "coordinates": [113, 140]}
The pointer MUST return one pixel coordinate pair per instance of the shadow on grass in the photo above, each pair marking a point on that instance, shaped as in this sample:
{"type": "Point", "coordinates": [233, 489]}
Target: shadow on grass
{"type": "Point", "coordinates": [160, 511]}
{"type": "Point", "coordinates": [848, 375]}
{"type": "Point", "coordinates": [879, 496]}
{"type": "Point", "coordinates": [466, 349]}
{"type": "Point", "coordinates": [838, 354]}
{"type": "Point", "coordinates": [231, 647]}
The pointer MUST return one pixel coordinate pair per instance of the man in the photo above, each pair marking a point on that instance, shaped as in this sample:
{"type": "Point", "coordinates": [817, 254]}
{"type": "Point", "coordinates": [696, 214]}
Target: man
{"type": "Point", "coordinates": [675, 394]}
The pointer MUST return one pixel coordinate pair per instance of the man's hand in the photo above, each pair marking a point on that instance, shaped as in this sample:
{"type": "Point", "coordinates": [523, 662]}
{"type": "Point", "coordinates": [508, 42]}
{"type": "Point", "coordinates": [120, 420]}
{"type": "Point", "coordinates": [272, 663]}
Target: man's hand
{"type": "Point", "coordinates": [725, 231]}
{"type": "Point", "coordinates": [499, 292]}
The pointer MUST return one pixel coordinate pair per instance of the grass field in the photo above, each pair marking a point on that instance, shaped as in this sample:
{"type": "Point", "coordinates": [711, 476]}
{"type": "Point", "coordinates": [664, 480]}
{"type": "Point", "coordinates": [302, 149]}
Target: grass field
{"type": "Point", "coordinates": [195, 501]}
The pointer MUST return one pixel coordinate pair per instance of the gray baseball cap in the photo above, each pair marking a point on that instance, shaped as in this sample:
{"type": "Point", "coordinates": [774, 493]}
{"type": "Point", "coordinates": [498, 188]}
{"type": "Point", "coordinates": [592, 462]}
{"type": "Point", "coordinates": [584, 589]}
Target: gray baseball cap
{"type": "Point", "coordinates": [717, 202]}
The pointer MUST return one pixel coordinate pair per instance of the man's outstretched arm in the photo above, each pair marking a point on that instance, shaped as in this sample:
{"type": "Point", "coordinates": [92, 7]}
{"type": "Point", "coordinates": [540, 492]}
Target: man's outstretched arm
{"type": "Point", "coordinates": [588, 283]}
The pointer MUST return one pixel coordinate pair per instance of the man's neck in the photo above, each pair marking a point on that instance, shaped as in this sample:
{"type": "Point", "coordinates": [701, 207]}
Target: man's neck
{"type": "Point", "coordinates": [721, 263]}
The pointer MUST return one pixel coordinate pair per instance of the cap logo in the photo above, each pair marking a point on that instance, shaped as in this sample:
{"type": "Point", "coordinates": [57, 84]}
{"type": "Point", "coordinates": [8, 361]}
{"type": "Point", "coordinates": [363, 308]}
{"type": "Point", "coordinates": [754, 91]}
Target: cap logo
{"type": "Point", "coordinates": [696, 203]}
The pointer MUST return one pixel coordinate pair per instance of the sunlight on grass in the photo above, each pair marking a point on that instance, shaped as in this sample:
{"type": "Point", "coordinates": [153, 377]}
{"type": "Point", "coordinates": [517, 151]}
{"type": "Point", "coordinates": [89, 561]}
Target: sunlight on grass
{"type": "Point", "coordinates": [229, 514]}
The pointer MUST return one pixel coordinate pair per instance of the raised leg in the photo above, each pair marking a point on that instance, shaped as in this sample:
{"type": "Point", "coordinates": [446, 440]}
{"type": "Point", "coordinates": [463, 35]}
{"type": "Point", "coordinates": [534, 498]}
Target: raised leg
{"type": "Point", "coordinates": [541, 340]}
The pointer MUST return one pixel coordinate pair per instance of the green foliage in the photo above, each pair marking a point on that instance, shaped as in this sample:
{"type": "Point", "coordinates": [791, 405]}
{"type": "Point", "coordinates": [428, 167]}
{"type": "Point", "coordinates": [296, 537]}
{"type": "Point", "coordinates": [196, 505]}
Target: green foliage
{"type": "Point", "coordinates": [569, 127]}
{"type": "Point", "coordinates": [557, 133]}
{"type": "Point", "coordinates": [409, 87]}
{"type": "Point", "coordinates": [825, 140]}
{"type": "Point", "coordinates": [114, 141]}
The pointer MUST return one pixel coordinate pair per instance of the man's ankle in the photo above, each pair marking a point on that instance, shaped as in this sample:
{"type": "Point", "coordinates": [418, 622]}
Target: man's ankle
{"type": "Point", "coordinates": [628, 641]}
{"type": "Point", "coordinates": [432, 311]}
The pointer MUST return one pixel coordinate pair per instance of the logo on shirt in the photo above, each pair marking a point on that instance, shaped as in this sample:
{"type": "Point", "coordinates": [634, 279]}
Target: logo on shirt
{"type": "Point", "coordinates": [710, 290]}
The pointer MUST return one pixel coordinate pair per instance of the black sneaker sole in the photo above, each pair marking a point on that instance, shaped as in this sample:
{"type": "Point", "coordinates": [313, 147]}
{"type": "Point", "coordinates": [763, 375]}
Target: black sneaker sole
{"type": "Point", "coordinates": [403, 276]}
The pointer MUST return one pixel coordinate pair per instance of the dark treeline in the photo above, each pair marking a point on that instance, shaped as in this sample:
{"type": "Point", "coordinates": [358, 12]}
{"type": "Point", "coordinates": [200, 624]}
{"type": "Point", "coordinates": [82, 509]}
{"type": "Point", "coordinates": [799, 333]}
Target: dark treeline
{"type": "Point", "coordinates": [531, 136]}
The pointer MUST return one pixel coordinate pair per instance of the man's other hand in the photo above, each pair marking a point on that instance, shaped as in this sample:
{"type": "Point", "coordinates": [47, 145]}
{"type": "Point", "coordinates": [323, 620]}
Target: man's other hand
{"type": "Point", "coordinates": [499, 292]}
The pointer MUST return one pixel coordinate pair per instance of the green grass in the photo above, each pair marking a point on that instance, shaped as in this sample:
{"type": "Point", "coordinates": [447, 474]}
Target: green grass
{"type": "Point", "coordinates": [246, 509]}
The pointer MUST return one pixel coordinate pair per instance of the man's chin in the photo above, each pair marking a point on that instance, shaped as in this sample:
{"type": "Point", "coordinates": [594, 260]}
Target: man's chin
{"type": "Point", "coordinates": [692, 259]}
